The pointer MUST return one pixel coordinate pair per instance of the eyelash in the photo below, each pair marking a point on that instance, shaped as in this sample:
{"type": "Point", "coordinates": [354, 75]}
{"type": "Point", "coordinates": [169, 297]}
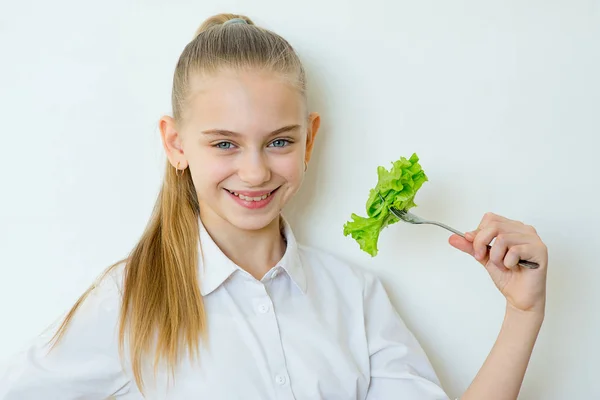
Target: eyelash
{"type": "Point", "coordinates": [286, 141]}
{"type": "Point", "coordinates": [218, 145]}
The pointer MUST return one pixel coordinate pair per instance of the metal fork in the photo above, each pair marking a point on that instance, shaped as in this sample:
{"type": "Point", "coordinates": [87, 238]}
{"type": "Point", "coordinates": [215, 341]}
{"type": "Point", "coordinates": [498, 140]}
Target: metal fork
{"type": "Point", "coordinates": [416, 220]}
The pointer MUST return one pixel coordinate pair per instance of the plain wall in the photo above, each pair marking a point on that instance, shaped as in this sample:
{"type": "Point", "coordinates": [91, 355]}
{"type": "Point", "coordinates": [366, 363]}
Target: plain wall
{"type": "Point", "coordinates": [500, 99]}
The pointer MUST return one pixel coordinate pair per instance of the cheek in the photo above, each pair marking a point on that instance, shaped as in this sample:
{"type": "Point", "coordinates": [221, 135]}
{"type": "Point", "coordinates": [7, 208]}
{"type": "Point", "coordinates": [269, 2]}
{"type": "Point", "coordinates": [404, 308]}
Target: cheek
{"type": "Point", "coordinates": [290, 167]}
{"type": "Point", "coordinates": [207, 170]}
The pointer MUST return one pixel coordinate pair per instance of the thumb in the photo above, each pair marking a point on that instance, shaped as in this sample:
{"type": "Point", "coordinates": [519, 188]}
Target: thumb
{"type": "Point", "coordinates": [461, 244]}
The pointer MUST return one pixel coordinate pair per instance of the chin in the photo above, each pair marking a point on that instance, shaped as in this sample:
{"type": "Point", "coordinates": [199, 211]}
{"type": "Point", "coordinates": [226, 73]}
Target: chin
{"type": "Point", "coordinates": [250, 222]}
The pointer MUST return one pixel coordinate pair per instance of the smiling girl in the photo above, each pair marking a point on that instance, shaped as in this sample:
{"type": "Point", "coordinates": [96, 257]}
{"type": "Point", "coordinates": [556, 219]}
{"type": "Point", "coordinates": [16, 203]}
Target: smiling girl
{"type": "Point", "coordinates": [218, 301]}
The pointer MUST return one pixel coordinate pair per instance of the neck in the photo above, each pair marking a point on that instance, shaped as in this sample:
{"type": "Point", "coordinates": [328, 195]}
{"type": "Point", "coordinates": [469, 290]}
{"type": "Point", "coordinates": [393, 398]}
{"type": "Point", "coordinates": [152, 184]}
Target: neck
{"type": "Point", "coordinates": [255, 251]}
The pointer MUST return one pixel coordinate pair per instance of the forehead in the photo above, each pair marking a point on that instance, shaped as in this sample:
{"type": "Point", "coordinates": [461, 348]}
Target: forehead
{"type": "Point", "coordinates": [244, 101]}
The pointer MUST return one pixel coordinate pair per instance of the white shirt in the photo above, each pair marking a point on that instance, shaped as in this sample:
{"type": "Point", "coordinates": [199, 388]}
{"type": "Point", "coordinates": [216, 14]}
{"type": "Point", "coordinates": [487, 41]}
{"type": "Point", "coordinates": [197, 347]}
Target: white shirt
{"type": "Point", "coordinates": [312, 328]}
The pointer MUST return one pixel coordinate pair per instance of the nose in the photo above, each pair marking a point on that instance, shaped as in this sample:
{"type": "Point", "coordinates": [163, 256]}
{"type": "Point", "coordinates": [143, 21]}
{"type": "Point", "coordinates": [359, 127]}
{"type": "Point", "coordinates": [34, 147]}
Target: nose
{"type": "Point", "coordinates": [254, 169]}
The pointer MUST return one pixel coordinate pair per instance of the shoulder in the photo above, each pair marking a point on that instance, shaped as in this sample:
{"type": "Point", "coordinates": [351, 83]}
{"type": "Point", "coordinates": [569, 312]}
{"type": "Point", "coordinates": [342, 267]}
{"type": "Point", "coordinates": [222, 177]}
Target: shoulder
{"type": "Point", "coordinates": [99, 306]}
{"type": "Point", "coordinates": [113, 278]}
{"type": "Point", "coordinates": [90, 322]}
{"type": "Point", "coordinates": [108, 287]}
{"type": "Point", "coordinates": [324, 265]}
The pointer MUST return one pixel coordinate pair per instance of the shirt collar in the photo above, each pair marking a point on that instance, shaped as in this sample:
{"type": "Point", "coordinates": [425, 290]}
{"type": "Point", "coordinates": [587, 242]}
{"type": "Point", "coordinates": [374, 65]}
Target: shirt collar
{"type": "Point", "coordinates": [215, 267]}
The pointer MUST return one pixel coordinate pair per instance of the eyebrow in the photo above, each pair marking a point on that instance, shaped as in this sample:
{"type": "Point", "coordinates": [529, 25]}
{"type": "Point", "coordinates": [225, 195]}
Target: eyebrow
{"type": "Point", "coordinates": [224, 132]}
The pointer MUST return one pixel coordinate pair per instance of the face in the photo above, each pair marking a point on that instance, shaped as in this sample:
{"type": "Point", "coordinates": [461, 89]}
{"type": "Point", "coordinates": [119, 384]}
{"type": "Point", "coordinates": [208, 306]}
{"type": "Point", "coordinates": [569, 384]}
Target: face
{"type": "Point", "coordinates": [246, 137]}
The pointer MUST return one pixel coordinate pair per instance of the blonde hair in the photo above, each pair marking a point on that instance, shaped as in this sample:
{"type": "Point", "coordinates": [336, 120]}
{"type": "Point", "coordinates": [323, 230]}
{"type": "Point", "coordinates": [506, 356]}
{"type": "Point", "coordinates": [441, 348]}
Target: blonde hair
{"type": "Point", "coordinates": [162, 307]}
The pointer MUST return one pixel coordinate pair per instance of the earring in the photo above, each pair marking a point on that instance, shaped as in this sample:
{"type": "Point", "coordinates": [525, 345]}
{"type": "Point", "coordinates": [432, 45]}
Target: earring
{"type": "Point", "coordinates": [305, 165]}
{"type": "Point", "coordinates": [177, 169]}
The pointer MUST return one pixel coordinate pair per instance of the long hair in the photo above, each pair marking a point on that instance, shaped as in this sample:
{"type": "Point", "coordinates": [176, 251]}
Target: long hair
{"type": "Point", "coordinates": [162, 311]}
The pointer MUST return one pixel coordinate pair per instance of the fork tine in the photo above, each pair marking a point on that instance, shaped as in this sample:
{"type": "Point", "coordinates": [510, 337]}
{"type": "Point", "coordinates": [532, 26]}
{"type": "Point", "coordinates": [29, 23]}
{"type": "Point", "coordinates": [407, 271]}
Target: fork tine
{"type": "Point", "coordinates": [397, 213]}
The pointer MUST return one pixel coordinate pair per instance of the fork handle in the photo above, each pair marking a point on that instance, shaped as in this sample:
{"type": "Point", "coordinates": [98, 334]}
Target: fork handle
{"type": "Point", "coordinates": [522, 263]}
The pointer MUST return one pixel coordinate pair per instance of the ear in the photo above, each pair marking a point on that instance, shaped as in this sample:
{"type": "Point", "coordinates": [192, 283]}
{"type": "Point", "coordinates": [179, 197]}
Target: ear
{"type": "Point", "coordinates": [172, 142]}
{"type": "Point", "coordinates": [314, 122]}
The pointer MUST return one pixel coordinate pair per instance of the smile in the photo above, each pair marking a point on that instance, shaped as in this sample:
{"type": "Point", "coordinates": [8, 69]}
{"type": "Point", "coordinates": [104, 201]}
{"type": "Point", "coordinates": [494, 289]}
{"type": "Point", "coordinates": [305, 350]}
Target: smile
{"type": "Point", "coordinates": [248, 198]}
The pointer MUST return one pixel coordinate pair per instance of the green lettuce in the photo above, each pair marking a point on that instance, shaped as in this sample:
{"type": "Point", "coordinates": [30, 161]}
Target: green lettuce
{"type": "Point", "coordinates": [398, 188]}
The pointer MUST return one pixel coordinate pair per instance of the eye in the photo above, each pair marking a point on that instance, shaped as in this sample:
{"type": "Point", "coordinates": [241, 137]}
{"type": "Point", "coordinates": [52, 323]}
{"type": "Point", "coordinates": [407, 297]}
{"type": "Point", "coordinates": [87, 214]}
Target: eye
{"type": "Point", "coordinates": [224, 145]}
{"type": "Point", "coordinates": [280, 143]}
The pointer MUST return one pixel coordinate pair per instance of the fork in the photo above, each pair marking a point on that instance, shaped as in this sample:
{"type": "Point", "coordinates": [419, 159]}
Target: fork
{"type": "Point", "coordinates": [411, 218]}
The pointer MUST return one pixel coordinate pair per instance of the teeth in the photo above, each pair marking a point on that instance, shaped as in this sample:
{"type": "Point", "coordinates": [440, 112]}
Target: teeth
{"type": "Point", "coordinates": [246, 198]}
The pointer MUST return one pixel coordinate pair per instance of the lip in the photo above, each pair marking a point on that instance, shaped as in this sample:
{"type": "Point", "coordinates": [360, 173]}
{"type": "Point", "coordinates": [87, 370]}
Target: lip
{"type": "Point", "coordinates": [252, 194]}
{"type": "Point", "coordinates": [253, 205]}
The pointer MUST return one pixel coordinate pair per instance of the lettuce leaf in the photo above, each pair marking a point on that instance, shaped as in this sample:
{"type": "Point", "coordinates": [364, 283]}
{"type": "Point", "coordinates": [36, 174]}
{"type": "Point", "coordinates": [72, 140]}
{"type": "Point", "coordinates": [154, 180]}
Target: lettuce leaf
{"type": "Point", "coordinates": [398, 187]}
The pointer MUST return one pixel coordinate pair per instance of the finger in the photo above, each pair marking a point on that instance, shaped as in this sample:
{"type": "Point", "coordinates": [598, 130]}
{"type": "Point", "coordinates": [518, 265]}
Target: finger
{"type": "Point", "coordinates": [516, 226]}
{"type": "Point", "coordinates": [471, 235]}
{"type": "Point", "coordinates": [513, 256]}
{"type": "Point", "coordinates": [490, 217]}
{"type": "Point", "coordinates": [482, 238]}
{"type": "Point", "coordinates": [501, 246]}
{"type": "Point", "coordinates": [498, 252]}
{"type": "Point", "coordinates": [461, 244]}
{"type": "Point", "coordinates": [525, 251]}
{"type": "Point", "coordinates": [465, 246]}
{"type": "Point", "coordinates": [485, 221]}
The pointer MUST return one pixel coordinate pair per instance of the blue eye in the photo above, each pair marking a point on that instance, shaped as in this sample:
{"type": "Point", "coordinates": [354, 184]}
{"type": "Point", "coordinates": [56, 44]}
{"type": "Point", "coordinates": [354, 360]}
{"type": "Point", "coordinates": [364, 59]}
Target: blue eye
{"type": "Point", "coordinates": [224, 145]}
{"type": "Point", "coordinates": [280, 143]}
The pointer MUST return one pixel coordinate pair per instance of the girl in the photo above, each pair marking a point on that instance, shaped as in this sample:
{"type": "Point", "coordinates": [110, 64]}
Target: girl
{"type": "Point", "coordinates": [219, 301]}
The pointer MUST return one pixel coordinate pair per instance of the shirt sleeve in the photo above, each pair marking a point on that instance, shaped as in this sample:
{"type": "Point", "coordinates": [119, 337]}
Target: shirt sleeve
{"type": "Point", "coordinates": [85, 364]}
{"type": "Point", "coordinates": [400, 368]}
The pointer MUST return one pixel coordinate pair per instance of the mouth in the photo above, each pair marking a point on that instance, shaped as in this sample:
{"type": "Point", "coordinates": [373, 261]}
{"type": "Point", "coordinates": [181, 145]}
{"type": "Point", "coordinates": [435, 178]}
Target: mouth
{"type": "Point", "coordinates": [252, 197]}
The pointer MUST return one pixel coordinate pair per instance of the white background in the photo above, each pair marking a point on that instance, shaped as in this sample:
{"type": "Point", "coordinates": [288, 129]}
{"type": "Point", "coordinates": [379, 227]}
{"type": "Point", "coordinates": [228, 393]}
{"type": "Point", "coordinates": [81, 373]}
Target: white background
{"type": "Point", "coordinates": [500, 99]}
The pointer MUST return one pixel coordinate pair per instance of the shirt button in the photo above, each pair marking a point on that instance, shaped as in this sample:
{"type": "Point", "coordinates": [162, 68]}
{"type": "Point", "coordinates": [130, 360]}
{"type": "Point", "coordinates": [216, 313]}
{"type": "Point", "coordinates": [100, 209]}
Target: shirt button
{"type": "Point", "coordinates": [275, 273]}
{"type": "Point", "coordinates": [263, 308]}
{"type": "Point", "coordinates": [280, 379]}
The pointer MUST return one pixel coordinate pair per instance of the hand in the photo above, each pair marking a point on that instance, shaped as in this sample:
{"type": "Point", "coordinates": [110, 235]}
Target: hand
{"type": "Point", "coordinates": [524, 289]}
